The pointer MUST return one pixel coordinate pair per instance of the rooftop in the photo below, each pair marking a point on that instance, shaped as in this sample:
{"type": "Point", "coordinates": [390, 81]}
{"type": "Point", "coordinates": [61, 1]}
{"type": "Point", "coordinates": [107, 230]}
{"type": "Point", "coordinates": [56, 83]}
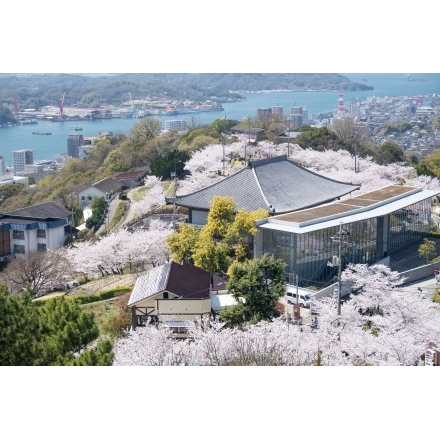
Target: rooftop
{"type": "Point", "coordinates": [276, 184]}
{"type": "Point", "coordinates": [368, 205]}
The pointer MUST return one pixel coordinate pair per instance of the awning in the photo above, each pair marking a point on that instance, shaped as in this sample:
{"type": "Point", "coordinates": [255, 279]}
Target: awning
{"type": "Point", "coordinates": [218, 302]}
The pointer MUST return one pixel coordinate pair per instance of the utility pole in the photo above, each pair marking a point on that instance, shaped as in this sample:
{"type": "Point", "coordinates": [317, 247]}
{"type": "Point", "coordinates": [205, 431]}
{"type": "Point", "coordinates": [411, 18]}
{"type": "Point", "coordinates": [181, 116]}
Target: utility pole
{"type": "Point", "coordinates": [339, 268]}
{"type": "Point", "coordinates": [249, 140]}
{"type": "Point", "coordinates": [339, 264]}
{"type": "Point", "coordinates": [223, 142]}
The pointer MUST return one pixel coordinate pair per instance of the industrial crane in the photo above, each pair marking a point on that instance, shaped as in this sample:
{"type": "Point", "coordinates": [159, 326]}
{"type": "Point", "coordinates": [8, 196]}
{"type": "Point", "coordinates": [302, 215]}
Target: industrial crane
{"type": "Point", "coordinates": [15, 106]}
{"type": "Point", "coordinates": [61, 106]}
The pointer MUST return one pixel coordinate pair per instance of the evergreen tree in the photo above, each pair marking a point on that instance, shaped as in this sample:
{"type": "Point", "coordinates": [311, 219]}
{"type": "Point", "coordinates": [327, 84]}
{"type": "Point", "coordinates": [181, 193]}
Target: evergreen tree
{"type": "Point", "coordinates": [19, 330]}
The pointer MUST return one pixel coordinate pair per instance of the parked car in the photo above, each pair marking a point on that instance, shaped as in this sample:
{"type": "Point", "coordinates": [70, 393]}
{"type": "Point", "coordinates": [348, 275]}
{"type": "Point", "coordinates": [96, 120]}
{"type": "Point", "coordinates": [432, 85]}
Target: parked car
{"type": "Point", "coordinates": [303, 299]}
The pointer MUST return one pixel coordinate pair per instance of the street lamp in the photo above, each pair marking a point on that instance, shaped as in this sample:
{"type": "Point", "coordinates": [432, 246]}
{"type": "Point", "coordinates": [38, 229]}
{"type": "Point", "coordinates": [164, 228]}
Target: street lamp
{"type": "Point", "coordinates": [174, 174]}
{"type": "Point", "coordinates": [339, 239]}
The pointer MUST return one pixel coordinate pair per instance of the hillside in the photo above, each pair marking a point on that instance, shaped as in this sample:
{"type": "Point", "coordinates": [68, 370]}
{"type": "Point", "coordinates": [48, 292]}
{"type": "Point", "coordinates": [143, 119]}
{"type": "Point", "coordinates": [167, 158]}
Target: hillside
{"type": "Point", "coordinates": [38, 90]}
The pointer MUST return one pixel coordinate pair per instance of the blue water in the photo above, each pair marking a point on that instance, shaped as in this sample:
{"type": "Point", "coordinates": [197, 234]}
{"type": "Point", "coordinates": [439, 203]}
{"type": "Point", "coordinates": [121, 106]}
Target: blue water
{"type": "Point", "coordinates": [46, 147]}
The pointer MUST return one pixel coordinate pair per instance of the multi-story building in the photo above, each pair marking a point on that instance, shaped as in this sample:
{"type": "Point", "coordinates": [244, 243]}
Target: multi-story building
{"type": "Point", "coordinates": [33, 229]}
{"type": "Point", "coordinates": [299, 116]}
{"type": "Point", "coordinates": [2, 165]}
{"type": "Point", "coordinates": [74, 141]}
{"type": "Point", "coordinates": [21, 158]}
{"type": "Point", "coordinates": [277, 111]}
{"type": "Point", "coordinates": [176, 124]}
{"type": "Point", "coordinates": [264, 114]}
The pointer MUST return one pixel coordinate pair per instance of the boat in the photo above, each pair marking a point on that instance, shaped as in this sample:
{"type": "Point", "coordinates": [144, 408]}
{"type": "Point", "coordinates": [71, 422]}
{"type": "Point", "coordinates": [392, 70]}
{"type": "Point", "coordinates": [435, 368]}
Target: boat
{"type": "Point", "coordinates": [78, 128]}
{"type": "Point", "coordinates": [41, 132]}
{"type": "Point", "coordinates": [29, 121]}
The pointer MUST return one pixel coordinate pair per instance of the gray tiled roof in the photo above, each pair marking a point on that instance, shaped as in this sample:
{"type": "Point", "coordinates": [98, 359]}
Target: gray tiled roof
{"type": "Point", "coordinates": [148, 285]}
{"type": "Point", "coordinates": [276, 183]}
{"type": "Point", "coordinates": [183, 280]}
{"type": "Point", "coordinates": [41, 211]}
{"type": "Point", "coordinates": [108, 185]}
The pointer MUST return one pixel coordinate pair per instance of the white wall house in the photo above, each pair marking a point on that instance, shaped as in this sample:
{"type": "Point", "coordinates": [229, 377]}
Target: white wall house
{"type": "Point", "coordinates": [105, 188]}
{"type": "Point", "coordinates": [33, 229]}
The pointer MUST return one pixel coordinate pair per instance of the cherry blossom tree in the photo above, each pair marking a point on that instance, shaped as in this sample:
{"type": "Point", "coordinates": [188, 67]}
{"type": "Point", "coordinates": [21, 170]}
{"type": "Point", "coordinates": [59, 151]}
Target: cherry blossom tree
{"type": "Point", "coordinates": [154, 197]}
{"type": "Point", "coordinates": [381, 325]}
{"type": "Point", "coordinates": [136, 249]}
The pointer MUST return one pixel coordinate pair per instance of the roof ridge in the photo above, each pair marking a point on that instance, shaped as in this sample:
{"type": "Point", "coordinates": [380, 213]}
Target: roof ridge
{"type": "Point", "coordinates": [213, 184]}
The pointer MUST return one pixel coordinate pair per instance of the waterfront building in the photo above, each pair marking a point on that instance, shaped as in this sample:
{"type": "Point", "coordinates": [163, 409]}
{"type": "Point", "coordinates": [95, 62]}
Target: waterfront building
{"type": "Point", "coordinates": [371, 228]}
{"type": "Point", "coordinates": [264, 114]}
{"type": "Point", "coordinates": [176, 124]}
{"type": "Point", "coordinates": [277, 111]}
{"type": "Point", "coordinates": [21, 158]}
{"type": "Point", "coordinates": [74, 141]}
{"type": "Point", "coordinates": [299, 116]}
{"type": "Point", "coordinates": [2, 165]}
{"type": "Point", "coordinates": [7, 179]}
{"type": "Point", "coordinates": [37, 171]}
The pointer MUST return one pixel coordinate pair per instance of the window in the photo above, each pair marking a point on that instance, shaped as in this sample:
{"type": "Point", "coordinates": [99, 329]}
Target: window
{"type": "Point", "coordinates": [18, 235]}
{"type": "Point", "coordinates": [19, 248]}
{"type": "Point", "coordinates": [41, 233]}
{"type": "Point", "coordinates": [41, 247]}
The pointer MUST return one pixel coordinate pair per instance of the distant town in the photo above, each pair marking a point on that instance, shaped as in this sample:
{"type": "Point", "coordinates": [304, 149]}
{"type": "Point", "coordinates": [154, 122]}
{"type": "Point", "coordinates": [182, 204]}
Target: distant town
{"type": "Point", "coordinates": [416, 111]}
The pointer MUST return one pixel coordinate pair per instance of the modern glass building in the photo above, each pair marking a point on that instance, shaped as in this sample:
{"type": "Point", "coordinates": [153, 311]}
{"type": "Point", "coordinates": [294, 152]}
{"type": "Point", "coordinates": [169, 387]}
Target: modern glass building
{"type": "Point", "coordinates": [369, 228]}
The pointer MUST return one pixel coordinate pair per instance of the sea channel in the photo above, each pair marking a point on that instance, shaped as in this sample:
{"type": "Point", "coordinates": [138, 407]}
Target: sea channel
{"type": "Point", "coordinates": [48, 146]}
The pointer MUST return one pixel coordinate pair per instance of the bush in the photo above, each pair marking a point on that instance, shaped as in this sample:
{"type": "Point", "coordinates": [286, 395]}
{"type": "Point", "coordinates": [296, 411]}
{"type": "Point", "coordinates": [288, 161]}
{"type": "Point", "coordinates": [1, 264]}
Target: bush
{"type": "Point", "coordinates": [102, 296]}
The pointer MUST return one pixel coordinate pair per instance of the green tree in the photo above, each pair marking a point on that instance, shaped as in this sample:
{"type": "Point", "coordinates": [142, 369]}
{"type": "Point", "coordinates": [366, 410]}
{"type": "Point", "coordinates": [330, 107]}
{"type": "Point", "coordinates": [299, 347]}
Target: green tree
{"type": "Point", "coordinates": [429, 165]}
{"type": "Point", "coordinates": [209, 254]}
{"type": "Point", "coordinates": [6, 115]}
{"type": "Point", "coordinates": [220, 216]}
{"type": "Point", "coordinates": [145, 128]}
{"type": "Point", "coordinates": [256, 285]}
{"type": "Point", "coordinates": [65, 331]}
{"type": "Point", "coordinates": [241, 231]}
{"type": "Point", "coordinates": [389, 152]}
{"type": "Point", "coordinates": [53, 332]}
{"type": "Point", "coordinates": [182, 243]}
{"type": "Point", "coordinates": [223, 125]}
{"type": "Point", "coordinates": [164, 165]}
{"type": "Point", "coordinates": [19, 330]}
{"type": "Point", "coordinates": [427, 250]}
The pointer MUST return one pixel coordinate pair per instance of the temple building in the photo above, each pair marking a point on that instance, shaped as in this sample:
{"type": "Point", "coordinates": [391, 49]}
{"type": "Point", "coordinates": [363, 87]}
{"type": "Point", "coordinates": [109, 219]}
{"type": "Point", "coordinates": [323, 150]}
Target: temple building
{"type": "Point", "coordinates": [276, 184]}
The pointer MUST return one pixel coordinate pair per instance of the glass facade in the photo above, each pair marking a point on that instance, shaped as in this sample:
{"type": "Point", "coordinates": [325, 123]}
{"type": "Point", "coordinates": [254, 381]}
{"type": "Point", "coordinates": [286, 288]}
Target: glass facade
{"type": "Point", "coordinates": [312, 258]}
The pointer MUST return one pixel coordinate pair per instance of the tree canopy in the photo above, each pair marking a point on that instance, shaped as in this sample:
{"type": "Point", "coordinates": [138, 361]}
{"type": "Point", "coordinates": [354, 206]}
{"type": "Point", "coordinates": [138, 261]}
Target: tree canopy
{"type": "Point", "coordinates": [256, 285]}
{"type": "Point", "coordinates": [54, 332]}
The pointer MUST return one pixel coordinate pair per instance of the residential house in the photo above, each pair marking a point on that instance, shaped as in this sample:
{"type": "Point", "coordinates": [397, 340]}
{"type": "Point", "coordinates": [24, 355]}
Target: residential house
{"type": "Point", "coordinates": [173, 295]}
{"type": "Point", "coordinates": [33, 229]}
{"type": "Point", "coordinates": [254, 134]}
{"type": "Point", "coordinates": [105, 188]}
{"type": "Point", "coordinates": [131, 179]}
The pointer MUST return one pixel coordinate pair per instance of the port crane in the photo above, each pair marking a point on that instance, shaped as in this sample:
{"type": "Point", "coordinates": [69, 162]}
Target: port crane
{"type": "Point", "coordinates": [61, 106]}
{"type": "Point", "coordinates": [15, 106]}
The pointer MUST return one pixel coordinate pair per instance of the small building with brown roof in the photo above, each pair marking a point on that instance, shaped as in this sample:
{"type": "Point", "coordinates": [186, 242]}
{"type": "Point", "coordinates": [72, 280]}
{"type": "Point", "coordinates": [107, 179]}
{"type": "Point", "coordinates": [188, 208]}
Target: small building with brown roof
{"type": "Point", "coordinates": [173, 295]}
